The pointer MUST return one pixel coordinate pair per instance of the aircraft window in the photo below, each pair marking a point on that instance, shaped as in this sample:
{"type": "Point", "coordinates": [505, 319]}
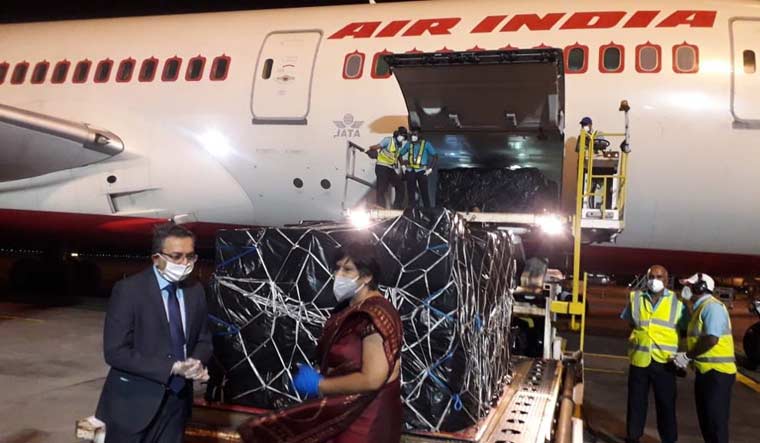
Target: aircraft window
{"type": "Point", "coordinates": [103, 71]}
{"type": "Point", "coordinates": [749, 62]}
{"type": "Point", "coordinates": [611, 59]}
{"type": "Point", "coordinates": [60, 72]}
{"type": "Point", "coordinates": [685, 58]}
{"type": "Point", "coordinates": [19, 73]}
{"type": "Point", "coordinates": [220, 67]}
{"type": "Point", "coordinates": [576, 59]}
{"type": "Point", "coordinates": [82, 71]}
{"type": "Point", "coordinates": [148, 69]}
{"type": "Point", "coordinates": [125, 70]}
{"type": "Point", "coordinates": [380, 68]}
{"type": "Point", "coordinates": [353, 65]}
{"type": "Point", "coordinates": [195, 69]}
{"type": "Point", "coordinates": [40, 72]}
{"type": "Point", "coordinates": [171, 69]}
{"type": "Point", "coordinates": [648, 58]}
{"type": "Point", "coordinates": [3, 72]}
{"type": "Point", "coordinates": [267, 72]}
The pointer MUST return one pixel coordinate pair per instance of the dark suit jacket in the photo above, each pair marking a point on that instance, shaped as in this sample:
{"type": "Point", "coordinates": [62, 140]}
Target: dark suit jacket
{"type": "Point", "coordinates": [137, 346]}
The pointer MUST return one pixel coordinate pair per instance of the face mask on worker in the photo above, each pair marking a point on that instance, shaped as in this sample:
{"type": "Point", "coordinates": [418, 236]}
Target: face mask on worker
{"type": "Point", "coordinates": [587, 128]}
{"type": "Point", "coordinates": [400, 138]}
{"type": "Point", "coordinates": [175, 272]}
{"type": "Point", "coordinates": [655, 285]}
{"type": "Point", "coordinates": [345, 288]}
{"type": "Point", "coordinates": [686, 293]}
{"type": "Point", "coordinates": [415, 138]}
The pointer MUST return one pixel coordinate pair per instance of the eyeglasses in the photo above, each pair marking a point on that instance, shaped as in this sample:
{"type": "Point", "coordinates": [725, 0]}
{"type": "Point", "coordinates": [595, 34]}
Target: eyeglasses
{"type": "Point", "coordinates": [192, 257]}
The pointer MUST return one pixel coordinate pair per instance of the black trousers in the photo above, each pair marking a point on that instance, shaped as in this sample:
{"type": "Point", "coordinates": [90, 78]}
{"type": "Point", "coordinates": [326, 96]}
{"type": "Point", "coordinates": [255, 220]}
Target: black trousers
{"type": "Point", "coordinates": [168, 426]}
{"type": "Point", "coordinates": [713, 394]}
{"type": "Point", "coordinates": [413, 180]}
{"type": "Point", "coordinates": [662, 378]}
{"type": "Point", "coordinates": [385, 178]}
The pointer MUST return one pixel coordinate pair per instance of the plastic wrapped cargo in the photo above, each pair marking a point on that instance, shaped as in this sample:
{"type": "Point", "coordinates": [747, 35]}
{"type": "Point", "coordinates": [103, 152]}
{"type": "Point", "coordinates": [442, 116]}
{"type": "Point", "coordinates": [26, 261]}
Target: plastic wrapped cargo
{"type": "Point", "coordinates": [496, 190]}
{"type": "Point", "coordinates": [451, 283]}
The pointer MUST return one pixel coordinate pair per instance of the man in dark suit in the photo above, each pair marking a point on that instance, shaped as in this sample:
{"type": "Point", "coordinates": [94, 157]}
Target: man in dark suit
{"type": "Point", "coordinates": [156, 340]}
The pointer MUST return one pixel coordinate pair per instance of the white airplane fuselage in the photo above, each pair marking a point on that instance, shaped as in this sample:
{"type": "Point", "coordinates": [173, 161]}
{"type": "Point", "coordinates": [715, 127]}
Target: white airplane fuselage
{"type": "Point", "coordinates": [230, 150]}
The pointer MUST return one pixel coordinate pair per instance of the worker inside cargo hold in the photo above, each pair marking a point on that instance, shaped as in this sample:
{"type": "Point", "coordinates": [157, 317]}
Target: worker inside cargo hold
{"type": "Point", "coordinates": [419, 157]}
{"type": "Point", "coordinates": [387, 169]}
{"type": "Point", "coordinates": [354, 395]}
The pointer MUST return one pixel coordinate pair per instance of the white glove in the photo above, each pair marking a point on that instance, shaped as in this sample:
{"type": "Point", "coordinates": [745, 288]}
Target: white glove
{"type": "Point", "coordinates": [191, 369]}
{"type": "Point", "coordinates": [194, 369]}
{"type": "Point", "coordinates": [428, 171]}
{"type": "Point", "coordinates": [681, 360]}
{"type": "Point", "coordinates": [180, 368]}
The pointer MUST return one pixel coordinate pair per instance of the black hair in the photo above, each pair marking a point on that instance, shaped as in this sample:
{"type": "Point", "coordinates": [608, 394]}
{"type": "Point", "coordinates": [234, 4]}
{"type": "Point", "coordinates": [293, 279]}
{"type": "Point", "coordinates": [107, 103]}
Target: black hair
{"type": "Point", "coordinates": [163, 231]}
{"type": "Point", "coordinates": [364, 257]}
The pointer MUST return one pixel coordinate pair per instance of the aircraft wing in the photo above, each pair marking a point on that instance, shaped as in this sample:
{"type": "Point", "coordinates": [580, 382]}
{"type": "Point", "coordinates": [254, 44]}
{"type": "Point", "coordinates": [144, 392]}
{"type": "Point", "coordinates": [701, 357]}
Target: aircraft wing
{"type": "Point", "coordinates": [33, 144]}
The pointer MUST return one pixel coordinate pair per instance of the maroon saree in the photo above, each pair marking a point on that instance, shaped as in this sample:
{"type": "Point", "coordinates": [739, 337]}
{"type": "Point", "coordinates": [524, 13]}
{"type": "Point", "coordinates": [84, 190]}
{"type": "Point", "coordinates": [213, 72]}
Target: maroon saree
{"type": "Point", "coordinates": [358, 418]}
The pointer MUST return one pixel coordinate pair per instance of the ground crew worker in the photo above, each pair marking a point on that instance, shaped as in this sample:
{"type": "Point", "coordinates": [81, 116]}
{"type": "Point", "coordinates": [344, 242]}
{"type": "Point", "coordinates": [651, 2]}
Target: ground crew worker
{"type": "Point", "coordinates": [419, 157]}
{"type": "Point", "coordinates": [710, 346]}
{"type": "Point", "coordinates": [587, 126]}
{"type": "Point", "coordinates": [387, 168]}
{"type": "Point", "coordinates": [656, 316]}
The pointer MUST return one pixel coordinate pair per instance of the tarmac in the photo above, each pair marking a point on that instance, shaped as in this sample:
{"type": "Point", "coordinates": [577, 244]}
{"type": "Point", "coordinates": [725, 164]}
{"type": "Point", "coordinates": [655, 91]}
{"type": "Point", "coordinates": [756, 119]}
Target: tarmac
{"type": "Point", "coordinates": [52, 370]}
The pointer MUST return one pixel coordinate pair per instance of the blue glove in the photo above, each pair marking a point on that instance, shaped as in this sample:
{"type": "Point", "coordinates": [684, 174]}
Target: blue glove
{"type": "Point", "coordinates": [306, 382]}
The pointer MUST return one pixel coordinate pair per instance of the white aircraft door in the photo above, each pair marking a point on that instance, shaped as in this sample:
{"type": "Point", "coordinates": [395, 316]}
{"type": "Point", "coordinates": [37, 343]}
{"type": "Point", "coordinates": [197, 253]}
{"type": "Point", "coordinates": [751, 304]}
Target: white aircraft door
{"type": "Point", "coordinates": [283, 78]}
{"type": "Point", "coordinates": [745, 78]}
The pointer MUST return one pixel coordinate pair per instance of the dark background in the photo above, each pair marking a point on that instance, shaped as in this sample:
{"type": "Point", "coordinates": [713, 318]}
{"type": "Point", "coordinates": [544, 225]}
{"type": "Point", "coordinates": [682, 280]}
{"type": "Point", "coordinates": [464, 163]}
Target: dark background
{"type": "Point", "coordinates": [26, 11]}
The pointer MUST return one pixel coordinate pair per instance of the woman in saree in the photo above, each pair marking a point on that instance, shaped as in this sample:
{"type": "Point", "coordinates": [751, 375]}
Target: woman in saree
{"type": "Point", "coordinates": [355, 393]}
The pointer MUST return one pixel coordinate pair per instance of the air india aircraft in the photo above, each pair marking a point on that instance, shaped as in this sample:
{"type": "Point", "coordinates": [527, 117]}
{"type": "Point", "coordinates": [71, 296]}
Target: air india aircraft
{"type": "Point", "coordinates": [243, 118]}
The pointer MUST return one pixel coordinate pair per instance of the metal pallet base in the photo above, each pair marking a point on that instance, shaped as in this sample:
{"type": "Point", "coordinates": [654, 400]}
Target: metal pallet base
{"type": "Point", "coordinates": [524, 414]}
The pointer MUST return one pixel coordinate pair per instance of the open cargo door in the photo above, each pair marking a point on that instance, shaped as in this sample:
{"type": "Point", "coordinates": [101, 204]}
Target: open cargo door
{"type": "Point", "coordinates": [488, 109]}
{"type": "Point", "coordinates": [503, 91]}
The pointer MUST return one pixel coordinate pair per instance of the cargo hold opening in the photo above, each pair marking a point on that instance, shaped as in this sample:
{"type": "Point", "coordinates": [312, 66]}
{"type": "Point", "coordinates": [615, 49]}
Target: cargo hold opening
{"type": "Point", "coordinates": [494, 117]}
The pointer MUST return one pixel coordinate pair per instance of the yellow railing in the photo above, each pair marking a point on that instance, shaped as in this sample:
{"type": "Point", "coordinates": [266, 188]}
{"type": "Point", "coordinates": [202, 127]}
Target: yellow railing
{"type": "Point", "coordinates": [585, 184]}
{"type": "Point", "coordinates": [588, 189]}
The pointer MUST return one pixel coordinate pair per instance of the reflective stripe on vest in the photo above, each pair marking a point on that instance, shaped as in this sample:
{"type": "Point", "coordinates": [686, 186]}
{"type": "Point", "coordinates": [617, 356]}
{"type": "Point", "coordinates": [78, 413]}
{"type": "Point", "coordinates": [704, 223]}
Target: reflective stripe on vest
{"type": "Point", "coordinates": [654, 335]}
{"type": "Point", "coordinates": [721, 356]}
{"type": "Point", "coordinates": [416, 163]}
{"type": "Point", "coordinates": [388, 156]}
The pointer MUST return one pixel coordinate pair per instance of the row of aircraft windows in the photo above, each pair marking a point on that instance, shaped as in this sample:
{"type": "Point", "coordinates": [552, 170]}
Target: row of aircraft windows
{"type": "Point", "coordinates": [611, 60]}
{"type": "Point", "coordinates": [124, 72]}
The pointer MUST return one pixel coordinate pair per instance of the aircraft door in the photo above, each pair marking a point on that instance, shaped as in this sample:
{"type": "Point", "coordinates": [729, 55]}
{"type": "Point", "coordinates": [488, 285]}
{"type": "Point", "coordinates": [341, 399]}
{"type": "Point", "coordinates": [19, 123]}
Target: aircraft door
{"type": "Point", "coordinates": [283, 78]}
{"type": "Point", "coordinates": [745, 77]}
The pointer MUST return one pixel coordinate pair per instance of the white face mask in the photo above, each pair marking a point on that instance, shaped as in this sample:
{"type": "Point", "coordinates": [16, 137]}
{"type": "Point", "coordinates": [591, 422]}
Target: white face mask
{"type": "Point", "coordinates": [686, 293]}
{"type": "Point", "coordinates": [400, 138]}
{"type": "Point", "coordinates": [587, 128]}
{"type": "Point", "coordinates": [175, 272]}
{"type": "Point", "coordinates": [415, 138]}
{"type": "Point", "coordinates": [345, 288]}
{"type": "Point", "coordinates": [655, 285]}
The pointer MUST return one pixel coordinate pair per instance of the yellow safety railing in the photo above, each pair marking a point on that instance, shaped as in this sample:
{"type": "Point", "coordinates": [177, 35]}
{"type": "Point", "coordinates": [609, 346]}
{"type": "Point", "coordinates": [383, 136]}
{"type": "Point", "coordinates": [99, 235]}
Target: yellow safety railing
{"type": "Point", "coordinates": [607, 180]}
{"type": "Point", "coordinates": [585, 189]}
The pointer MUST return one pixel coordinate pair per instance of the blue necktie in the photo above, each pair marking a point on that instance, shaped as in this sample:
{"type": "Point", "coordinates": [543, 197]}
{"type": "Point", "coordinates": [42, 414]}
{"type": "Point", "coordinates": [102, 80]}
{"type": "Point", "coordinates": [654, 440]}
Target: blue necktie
{"type": "Point", "coordinates": [177, 332]}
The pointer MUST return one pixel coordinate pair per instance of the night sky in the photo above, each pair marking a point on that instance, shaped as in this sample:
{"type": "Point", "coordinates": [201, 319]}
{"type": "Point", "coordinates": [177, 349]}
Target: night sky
{"type": "Point", "coordinates": [30, 10]}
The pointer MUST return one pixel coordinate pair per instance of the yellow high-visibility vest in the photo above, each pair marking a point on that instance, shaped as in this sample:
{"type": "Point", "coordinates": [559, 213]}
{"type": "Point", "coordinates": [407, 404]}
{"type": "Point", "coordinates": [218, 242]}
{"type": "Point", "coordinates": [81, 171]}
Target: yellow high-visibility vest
{"type": "Point", "coordinates": [654, 334]}
{"type": "Point", "coordinates": [388, 157]}
{"type": "Point", "coordinates": [415, 162]}
{"type": "Point", "coordinates": [721, 356]}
